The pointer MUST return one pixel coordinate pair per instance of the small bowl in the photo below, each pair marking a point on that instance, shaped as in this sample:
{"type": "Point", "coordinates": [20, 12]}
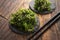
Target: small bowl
{"type": "Point", "coordinates": [31, 6]}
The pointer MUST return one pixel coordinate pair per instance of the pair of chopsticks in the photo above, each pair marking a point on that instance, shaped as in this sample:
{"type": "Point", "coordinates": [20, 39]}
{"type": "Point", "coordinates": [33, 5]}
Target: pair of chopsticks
{"type": "Point", "coordinates": [45, 27]}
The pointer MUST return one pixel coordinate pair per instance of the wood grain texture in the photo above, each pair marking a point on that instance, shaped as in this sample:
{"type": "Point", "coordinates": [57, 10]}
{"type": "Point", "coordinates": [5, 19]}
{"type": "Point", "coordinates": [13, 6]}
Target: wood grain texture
{"type": "Point", "coordinates": [9, 6]}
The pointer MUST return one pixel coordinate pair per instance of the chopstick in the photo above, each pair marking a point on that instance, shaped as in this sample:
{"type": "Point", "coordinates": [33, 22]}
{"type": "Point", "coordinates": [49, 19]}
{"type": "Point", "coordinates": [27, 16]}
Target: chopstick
{"type": "Point", "coordinates": [50, 22]}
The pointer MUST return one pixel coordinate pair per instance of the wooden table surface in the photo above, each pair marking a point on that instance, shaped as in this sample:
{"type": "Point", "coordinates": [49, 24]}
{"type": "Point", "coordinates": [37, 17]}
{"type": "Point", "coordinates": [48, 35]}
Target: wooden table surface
{"type": "Point", "coordinates": [9, 6]}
